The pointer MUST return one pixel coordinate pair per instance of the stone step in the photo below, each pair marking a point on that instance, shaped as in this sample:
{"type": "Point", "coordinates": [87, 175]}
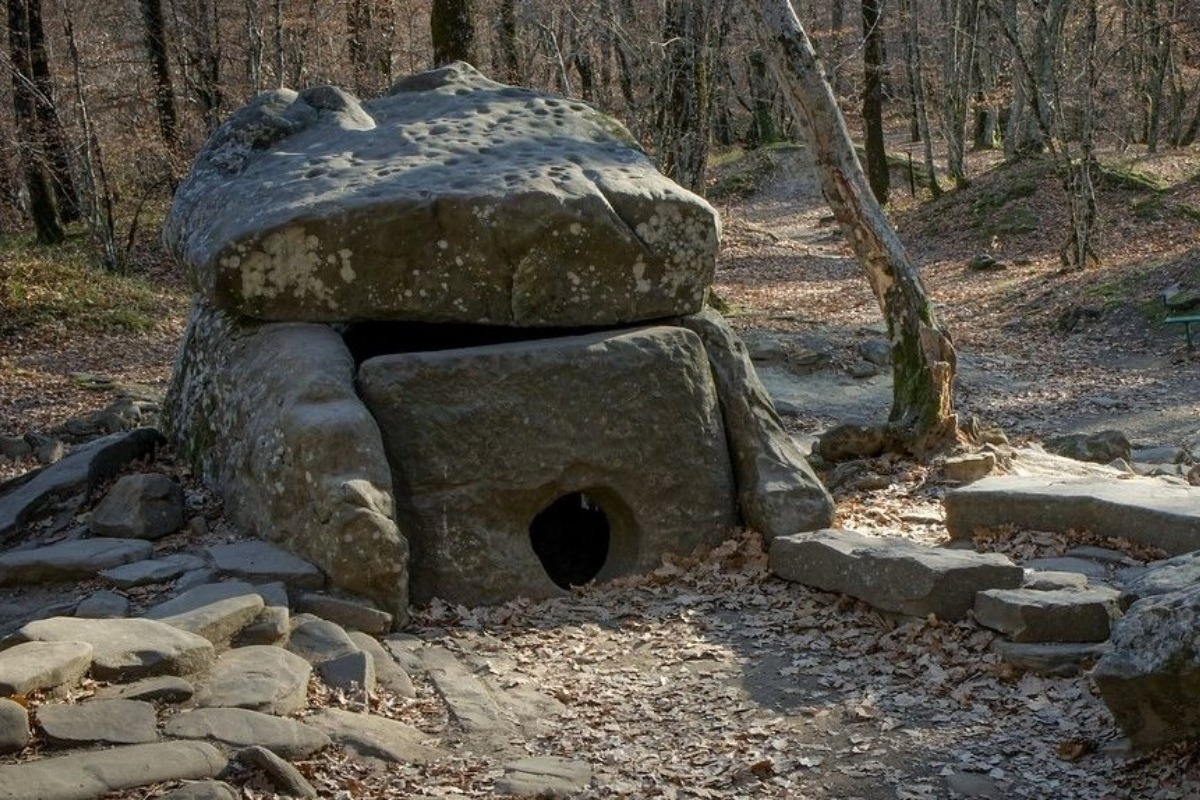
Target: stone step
{"type": "Point", "coordinates": [125, 649]}
{"type": "Point", "coordinates": [79, 558]}
{"type": "Point", "coordinates": [1058, 615]}
{"type": "Point", "coordinates": [892, 574]}
{"type": "Point", "coordinates": [1145, 510]}
{"type": "Point", "coordinates": [470, 703]}
{"type": "Point", "coordinates": [32, 666]}
{"type": "Point", "coordinates": [241, 727]}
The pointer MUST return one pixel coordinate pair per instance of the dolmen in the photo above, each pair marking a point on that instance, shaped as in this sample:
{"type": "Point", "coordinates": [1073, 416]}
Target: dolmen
{"type": "Point", "coordinates": [452, 342]}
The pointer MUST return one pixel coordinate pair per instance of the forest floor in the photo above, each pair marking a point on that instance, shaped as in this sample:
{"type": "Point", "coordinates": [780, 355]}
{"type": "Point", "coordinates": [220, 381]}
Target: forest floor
{"type": "Point", "coordinates": [710, 678]}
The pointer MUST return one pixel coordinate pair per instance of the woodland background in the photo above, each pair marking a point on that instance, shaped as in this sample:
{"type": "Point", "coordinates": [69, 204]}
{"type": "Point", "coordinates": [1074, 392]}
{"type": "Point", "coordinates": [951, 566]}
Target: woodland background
{"type": "Point", "coordinates": [107, 102]}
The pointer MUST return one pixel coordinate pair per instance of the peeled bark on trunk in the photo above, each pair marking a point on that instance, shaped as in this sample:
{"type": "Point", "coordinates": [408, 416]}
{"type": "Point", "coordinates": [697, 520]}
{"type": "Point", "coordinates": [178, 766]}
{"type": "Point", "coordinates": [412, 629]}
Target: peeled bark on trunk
{"type": "Point", "coordinates": [923, 417]}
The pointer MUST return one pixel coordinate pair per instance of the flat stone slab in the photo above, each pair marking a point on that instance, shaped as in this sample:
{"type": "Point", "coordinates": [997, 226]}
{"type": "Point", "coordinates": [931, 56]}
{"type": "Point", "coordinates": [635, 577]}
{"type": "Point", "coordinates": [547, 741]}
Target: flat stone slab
{"type": "Point", "coordinates": [485, 439]}
{"type": "Point", "coordinates": [354, 615]}
{"type": "Point", "coordinates": [80, 558]}
{"type": "Point", "coordinates": [282, 775]}
{"type": "Point", "coordinates": [240, 727]}
{"type": "Point", "coordinates": [1058, 659]}
{"type": "Point", "coordinates": [471, 705]}
{"type": "Point", "coordinates": [257, 677]}
{"type": "Point", "coordinates": [257, 561]}
{"type": "Point", "coordinates": [216, 611]}
{"type": "Point", "coordinates": [1084, 567]}
{"type": "Point", "coordinates": [125, 649]}
{"type": "Point", "coordinates": [103, 604]}
{"type": "Point", "coordinates": [83, 776]}
{"type": "Point", "coordinates": [317, 640]}
{"type": "Point", "coordinates": [161, 689]}
{"type": "Point", "coordinates": [451, 199]}
{"type": "Point", "coordinates": [542, 776]}
{"type": "Point", "coordinates": [388, 673]}
{"type": "Point", "coordinates": [75, 475]}
{"type": "Point", "coordinates": [1144, 510]}
{"type": "Point", "coordinates": [139, 573]}
{"type": "Point", "coordinates": [203, 790]}
{"type": "Point", "coordinates": [98, 722]}
{"type": "Point", "coordinates": [892, 574]}
{"type": "Point", "coordinates": [375, 737]}
{"type": "Point", "coordinates": [32, 666]}
{"type": "Point", "coordinates": [1057, 615]}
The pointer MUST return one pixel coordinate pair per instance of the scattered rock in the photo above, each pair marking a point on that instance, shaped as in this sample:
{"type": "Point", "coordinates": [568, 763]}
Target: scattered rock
{"type": "Point", "coordinates": [124, 649]}
{"type": "Point", "coordinates": [375, 737]}
{"type": "Point", "coordinates": [145, 506]}
{"type": "Point", "coordinates": [282, 775]}
{"type": "Point", "coordinates": [14, 447]}
{"type": "Point", "coordinates": [81, 558]}
{"type": "Point", "coordinates": [350, 614]}
{"type": "Point", "coordinates": [14, 727]}
{"type": "Point", "coordinates": [203, 790]}
{"type": "Point", "coordinates": [1102, 555]}
{"type": "Point", "coordinates": [240, 727]}
{"type": "Point", "coordinates": [257, 561]}
{"type": "Point", "coordinates": [168, 689]}
{"type": "Point", "coordinates": [892, 574]}
{"type": "Point", "coordinates": [851, 440]}
{"type": "Point", "coordinates": [32, 666]}
{"type": "Point", "coordinates": [1100, 448]}
{"type": "Point", "coordinates": [140, 573]}
{"type": "Point", "coordinates": [1051, 580]}
{"type": "Point", "coordinates": [1164, 454]}
{"type": "Point", "coordinates": [216, 611]}
{"type": "Point", "coordinates": [98, 722]}
{"type": "Point", "coordinates": [876, 351]}
{"type": "Point", "coordinates": [544, 776]}
{"type": "Point", "coordinates": [973, 784]}
{"type": "Point", "coordinates": [1146, 511]}
{"type": "Point", "coordinates": [985, 262]}
{"type": "Point", "coordinates": [1058, 659]}
{"type": "Point", "coordinates": [861, 369]}
{"type": "Point", "coordinates": [471, 705]}
{"type": "Point", "coordinates": [1057, 615]}
{"type": "Point", "coordinates": [1150, 679]}
{"type": "Point", "coordinates": [969, 468]}
{"type": "Point", "coordinates": [103, 604]}
{"type": "Point", "coordinates": [1080, 566]}
{"type": "Point", "coordinates": [50, 452]}
{"type": "Point", "coordinates": [82, 776]}
{"type": "Point", "coordinates": [273, 624]}
{"type": "Point", "coordinates": [1163, 577]}
{"type": "Point", "coordinates": [316, 640]}
{"type": "Point", "coordinates": [388, 674]}
{"type": "Point", "coordinates": [257, 677]}
{"type": "Point", "coordinates": [352, 672]}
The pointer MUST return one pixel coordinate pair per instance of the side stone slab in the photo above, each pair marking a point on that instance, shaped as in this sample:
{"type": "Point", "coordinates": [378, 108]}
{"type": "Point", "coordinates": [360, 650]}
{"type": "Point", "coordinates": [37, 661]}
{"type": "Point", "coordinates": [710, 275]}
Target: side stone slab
{"type": "Point", "coordinates": [267, 413]}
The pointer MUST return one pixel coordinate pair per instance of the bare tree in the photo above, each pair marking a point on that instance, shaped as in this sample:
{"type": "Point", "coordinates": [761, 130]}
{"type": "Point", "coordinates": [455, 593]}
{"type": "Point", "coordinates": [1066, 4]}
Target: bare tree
{"type": "Point", "coordinates": [685, 107]}
{"type": "Point", "coordinates": [164, 88]}
{"type": "Point", "coordinates": [874, 68]}
{"type": "Point", "coordinates": [452, 26]}
{"type": "Point", "coordinates": [923, 416]}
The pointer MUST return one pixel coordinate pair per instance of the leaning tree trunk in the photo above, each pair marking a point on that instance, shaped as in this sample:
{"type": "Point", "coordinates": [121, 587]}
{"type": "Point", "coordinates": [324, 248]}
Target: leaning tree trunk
{"type": "Point", "coordinates": [923, 358]}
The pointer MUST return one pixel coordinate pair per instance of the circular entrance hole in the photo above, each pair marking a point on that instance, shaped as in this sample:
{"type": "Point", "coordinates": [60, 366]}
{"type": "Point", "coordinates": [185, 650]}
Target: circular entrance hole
{"type": "Point", "coordinates": [571, 537]}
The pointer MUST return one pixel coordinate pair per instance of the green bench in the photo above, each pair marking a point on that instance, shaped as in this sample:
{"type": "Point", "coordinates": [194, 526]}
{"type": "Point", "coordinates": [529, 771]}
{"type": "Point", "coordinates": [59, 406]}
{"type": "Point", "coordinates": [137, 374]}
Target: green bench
{"type": "Point", "coordinates": [1187, 321]}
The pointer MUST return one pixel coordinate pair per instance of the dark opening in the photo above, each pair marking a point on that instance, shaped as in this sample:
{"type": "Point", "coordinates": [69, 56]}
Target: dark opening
{"type": "Point", "coordinates": [370, 339]}
{"type": "Point", "coordinates": [571, 537]}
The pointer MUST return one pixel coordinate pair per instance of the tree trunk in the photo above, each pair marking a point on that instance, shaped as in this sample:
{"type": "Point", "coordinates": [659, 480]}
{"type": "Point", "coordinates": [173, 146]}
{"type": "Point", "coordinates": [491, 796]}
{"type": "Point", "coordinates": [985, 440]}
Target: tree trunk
{"type": "Point", "coordinates": [452, 26]}
{"type": "Point", "coordinates": [916, 67]}
{"type": "Point", "coordinates": [510, 54]}
{"type": "Point", "coordinates": [872, 98]}
{"type": "Point", "coordinates": [160, 65]}
{"type": "Point", "coordinates": [923, 418]}
{"type": "Point", "coordinates": [52, 134]}
{"type": "Point", "coordinates": [686, 96]}
{"type": "Point", "coordinates": [763, 129]}
{"type": "Point", "coordinates": [42, 206]}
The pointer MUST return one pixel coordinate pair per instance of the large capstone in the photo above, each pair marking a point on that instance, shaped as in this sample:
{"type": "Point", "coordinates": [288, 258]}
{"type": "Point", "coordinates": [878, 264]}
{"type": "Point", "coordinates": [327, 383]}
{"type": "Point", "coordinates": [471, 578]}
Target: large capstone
{"type": "Point", "coordinates": [525, 468]}
{"type": "Point", "coordinates": [269, 416]}
{"type": "Point", "coordinates": [451, 199]}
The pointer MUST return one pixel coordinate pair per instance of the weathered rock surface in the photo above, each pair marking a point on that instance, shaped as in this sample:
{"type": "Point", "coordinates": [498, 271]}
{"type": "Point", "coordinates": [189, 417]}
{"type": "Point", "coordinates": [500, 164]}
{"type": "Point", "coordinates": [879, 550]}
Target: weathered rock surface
{"type": "Point", "coordinates": [471, 705]}
{"type": "Point", "coordinates": [353, 672]}
{"type": "Point", "coordinates": [15, 734]}
{"type": "Point", "coordinates": [544, 776]}
{"type": "Point", "coordinates": [143, 506]}
{"type": "Point", "coordinates": [83, 776]}
{"type": "Point", "coordinates": [103, 604]}
{"type": "Point", "coordinates": [242, 727]}
{"type": "Point", "coordinates": [160, 689]}
{"type": "Point", "coordinates": [388, 674]}
{"type": "Point", "coordinates": [851, 440]}
{"type": "Point", "coordinates": [203, 790]}
{"type": "Point", "coordinates": [316, 640]}
{"type": "Point", "coordinates": [139, 573]}
{"type": "Point", "coordinates": [31, 666]}
{"type": "Point", "coordinates": [257, 677]}
{"type": "Point", "coordinates": [1060, 659]}
{"type": "Point", "coordinates": [81, 558]}
{"type": "Point", "coordinates": [970, 467]}
{"type": "Point", "coordinates": [778, 492]}
{"type": "Point", "coordinates": [125, 649]}
{"type": "Point", "coordinates": [1164, 577]}
{"type": "Point", "coordinates": [273, 624]}
{"type": "Point", "coordinates": [98, 722]}
{"type": "Point", "coordinates": [375, 737]}
{"type": "Point", "coordinates": [1144, 510]}
{"type": "Point", "coordinates": [350, 614]}
{"type": "Point", "coordinates": [580, 414]}
{"type": "Point", "coordinates": [315, 207]}
{"type": "Point", "coordinates": [216, 611]}
{"type": "Point", "coordinates": [1101, 448]}
{"type": "Point", "coordinates": [1150, 678]}
{"type": "Point", "coordinates": [72, 478]}
{"type": "Point", "coordinates": [1057, 615]}
{"type": "Point", "coordinates": [892, 574]}
{"type": "Point", "coordinates": [258, 561]}
{"type": "Point", "coordinates": [241, 397]}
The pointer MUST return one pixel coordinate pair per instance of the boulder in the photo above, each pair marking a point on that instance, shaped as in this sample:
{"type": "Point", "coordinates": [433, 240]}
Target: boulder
{"type": "Point", "coordinates": [451, 199]}
{"type": "Point", "coordinates": [1100, 448]}
{"type": "Point", "coordinates": [852, 440]}
{"type": "Point", "coordinates": [616, 436]}
{"type": "Point", "coordinates": [778, 492]}
{"type": "Point", "coordinates": [892, 574]}
{"type": "Point", "coordinates": [388, 674]}
{"type": "Point", "coordinates": [1150, 679]}
{"type": "Point", "coordinates": [145, 506]}
{"type": "Point", "coordinates": [1056, 615]}
{"type": "Point", "coordinates": [1144, 510]}
{"type": "Point", "coordinates": [203, 790]}
{"type": "Point", "coordinates": [168, 689]}
{"type": "Point", "coordinates": [103, 604]}
{"type": "Point", "coordinates": [970, 467]}
{"type": "Point", "coordinates": [73, 478]}
{"type": "Point", "coordinates": [268, 414]}
{"type": "Point", "coordinates": [125, 649]}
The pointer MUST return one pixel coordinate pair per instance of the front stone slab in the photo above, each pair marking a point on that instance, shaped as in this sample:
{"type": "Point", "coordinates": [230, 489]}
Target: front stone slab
{"type": "Point", "coordinates": [451, 199]}
{"type": "Point", "coordinates": [268, 414]}
{"type": "Point", "coordinates": [1145, 510]}
{"type": "Point", "coordinates": [608, 450]}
